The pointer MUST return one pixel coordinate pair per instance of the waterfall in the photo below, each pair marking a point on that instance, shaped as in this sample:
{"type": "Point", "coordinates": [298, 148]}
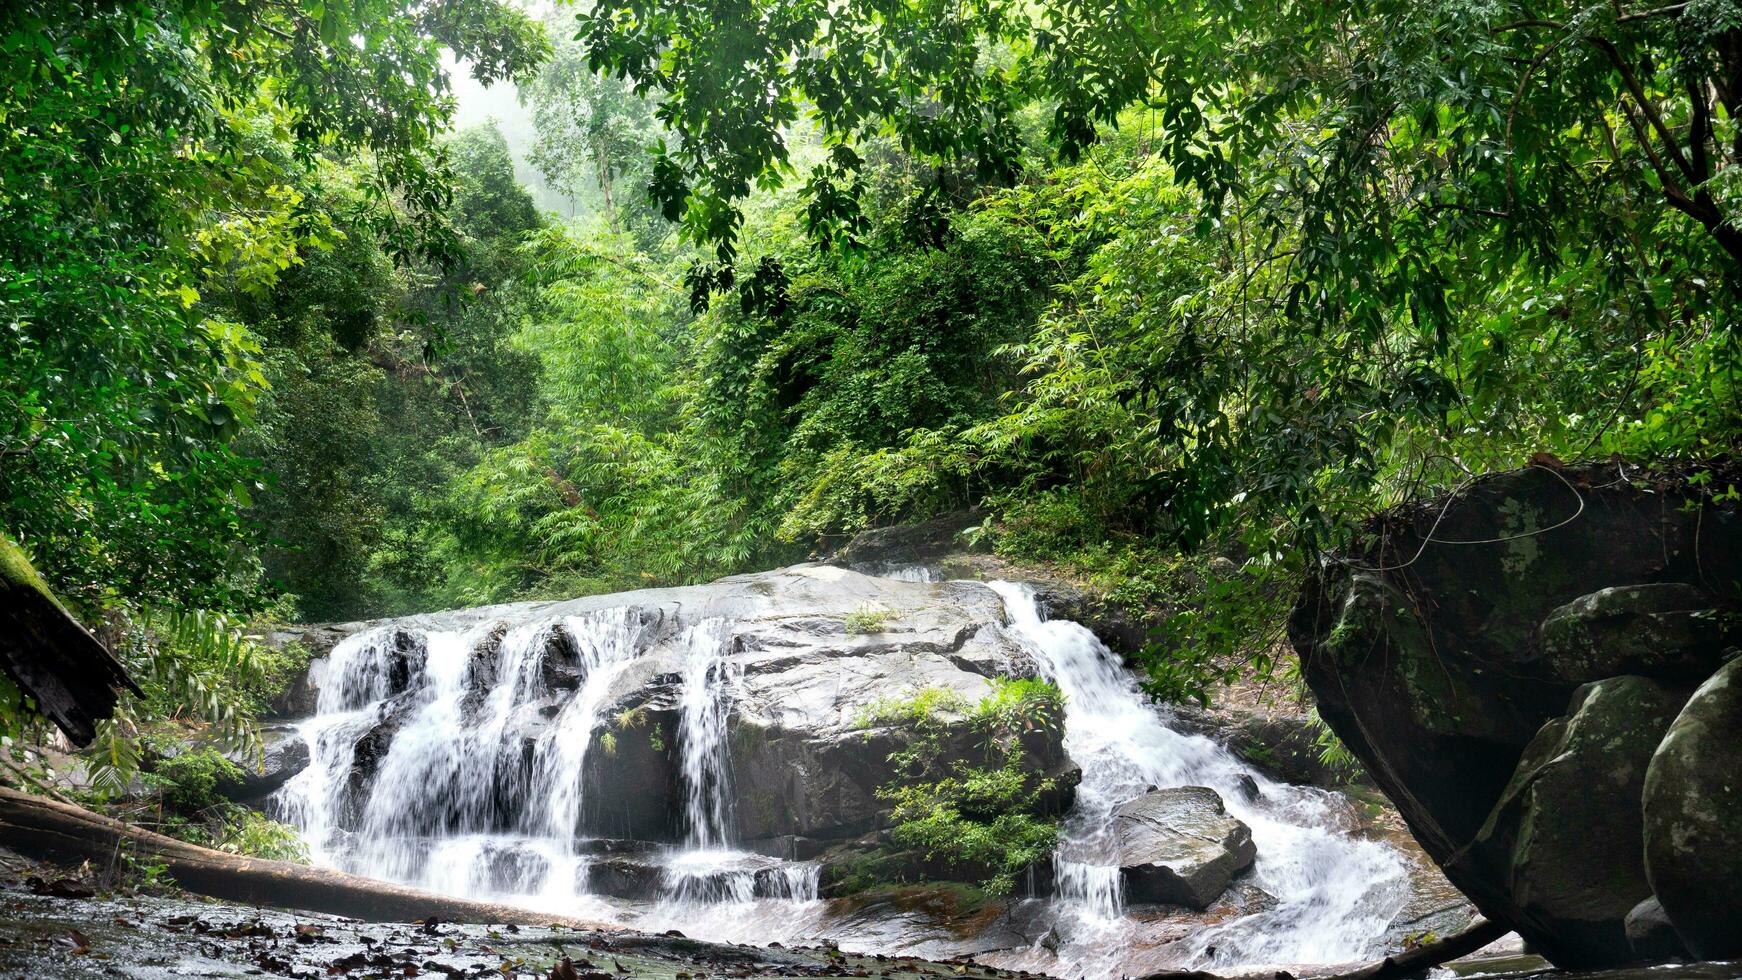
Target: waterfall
{"type": "Point", "coordinates": [454, 803]}
{"type": "Point", "coordinates": [455, 759]}
{"type": "Point", "coordinates": [463, 800]}
{"type": "Point", "coordinates": [605, 644]}
{"type": "Point", "coordinates": [706, 766]}
{"type": "Point", "coordinates": [1334, 895]}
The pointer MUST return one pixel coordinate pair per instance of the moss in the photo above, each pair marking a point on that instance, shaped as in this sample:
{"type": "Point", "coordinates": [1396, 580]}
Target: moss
{"type": "Point", "coordinates": [16, 570]}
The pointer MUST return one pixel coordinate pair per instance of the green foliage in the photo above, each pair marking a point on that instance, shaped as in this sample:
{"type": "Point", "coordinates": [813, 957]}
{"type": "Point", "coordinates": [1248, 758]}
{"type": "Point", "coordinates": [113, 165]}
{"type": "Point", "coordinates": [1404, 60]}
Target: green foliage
{"type": "Point", "coordinates": [197, 668]}
{"type": "Point", "coordinates": [132, 182]}
{"type": "Point", "coordinates": [191, 785]}
{"type": "Point", "coordinates": [976, 816]}
{"type": "Point", "coordinates": [924, 706]}
{"type": "Point", "coordinates": [251, 834]}
{"type": "Point", "coordinates": [592, 136]}
{"type": "Point", "coordinates": [1317, 257]}
{"type": "Point", "coordinates": [190, 781]}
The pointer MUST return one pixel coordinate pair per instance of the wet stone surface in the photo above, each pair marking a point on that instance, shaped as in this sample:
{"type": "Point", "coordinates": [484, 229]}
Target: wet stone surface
{"type": "Point", "coordinates": [146, 937]}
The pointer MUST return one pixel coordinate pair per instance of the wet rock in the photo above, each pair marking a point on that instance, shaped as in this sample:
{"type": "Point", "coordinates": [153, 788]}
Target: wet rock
{"type": "Point", "coordinates": [623, 876]}
{"type": "Point", "coordinates": [1179, 846]}
{"type": "Point", "coordinates": [1693, 818]}
{"type": "Point", "coordinates": [1651, 935]}
{"type": "Point", "coordinates": [284, 753]}
{"type": "Point", "coordinates": [409, 653]}
{"type": "Point", "coordinates": [1566, 837]}
{"type": "Point", "coordinates": [1282, 744]}
{"type": "Point", "coordinates": [910, 544]}
{"type": "Point", "coordinates": [560, 666]}
{"type": "Point", "coordinates": [1667, 628]}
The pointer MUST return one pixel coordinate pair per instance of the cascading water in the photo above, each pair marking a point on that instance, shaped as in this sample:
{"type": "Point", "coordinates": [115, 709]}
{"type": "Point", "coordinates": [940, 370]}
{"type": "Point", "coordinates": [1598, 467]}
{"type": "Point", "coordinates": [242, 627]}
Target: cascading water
{"type": "Point", "coordinates": [702, 736]}
{"type": "Point", "coordinates": [1334, 895]}
{"type": "Point", "coordinates": [460, 802]}
{"type": "Point", "coordinates": [454, 760]}
{"type": "Point", "coordinates": [453, 805]}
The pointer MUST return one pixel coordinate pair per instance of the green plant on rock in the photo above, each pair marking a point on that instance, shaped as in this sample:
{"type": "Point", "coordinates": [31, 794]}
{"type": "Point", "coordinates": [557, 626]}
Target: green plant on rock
{"type": "Point", "coordinates": [867, 619]}
{"type": "Point", "coordinates": [975, 816]}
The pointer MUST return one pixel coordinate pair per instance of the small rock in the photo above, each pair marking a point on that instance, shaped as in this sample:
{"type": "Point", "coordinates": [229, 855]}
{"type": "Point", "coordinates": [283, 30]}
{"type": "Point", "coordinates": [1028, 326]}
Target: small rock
{"type": "Point", "coordinates": [1654, 939]}
{"type": "Point", "coordinates": [1179, 846]}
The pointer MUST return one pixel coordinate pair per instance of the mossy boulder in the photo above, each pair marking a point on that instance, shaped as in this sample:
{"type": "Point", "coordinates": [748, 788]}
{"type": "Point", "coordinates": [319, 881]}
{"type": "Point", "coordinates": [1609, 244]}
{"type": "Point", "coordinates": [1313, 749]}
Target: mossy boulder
{"type": "Point", "coordinates": [1668, 628]}
{"type": "Point", "coordinates": [1441, 644]}
{"type": "Point", "coordinates": [1566, 837]}
{"type": "Point", "coordinates": [1693, 818]}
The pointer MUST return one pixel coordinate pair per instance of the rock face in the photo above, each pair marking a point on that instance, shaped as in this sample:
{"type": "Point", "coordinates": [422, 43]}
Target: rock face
{"type": "Point", "coordinates": [1179, 846]}
{"type": "Point", "coordinates": [1451, 655]}
{"type": "Point", "coordinates": [1693, 818]}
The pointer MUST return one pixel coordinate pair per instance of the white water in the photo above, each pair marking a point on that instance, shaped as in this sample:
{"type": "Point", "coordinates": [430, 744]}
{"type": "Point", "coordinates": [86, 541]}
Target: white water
{"type": "Point", "coordinates": [480, 793]}
{"type": "Point", "coordinates": [704, 705]}
{"type": "Point", "coordinates": [1335, 895]}
{"type": "Point", "coordinates": [455, 806]}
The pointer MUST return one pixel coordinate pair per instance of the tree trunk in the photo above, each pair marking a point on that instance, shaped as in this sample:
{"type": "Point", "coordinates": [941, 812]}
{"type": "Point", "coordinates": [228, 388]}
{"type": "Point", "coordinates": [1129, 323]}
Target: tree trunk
{"type": "Point", "coordinates": [40, 825]}
{"type": "Point", "coordinates": [50, 655]}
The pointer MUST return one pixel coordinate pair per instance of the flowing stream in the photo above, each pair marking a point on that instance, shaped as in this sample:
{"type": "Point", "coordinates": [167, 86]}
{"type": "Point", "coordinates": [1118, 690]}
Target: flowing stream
{"type": "Point", "coordinates": [1333, 894]}
{"type": "Point", "coordinates": [479, 791]}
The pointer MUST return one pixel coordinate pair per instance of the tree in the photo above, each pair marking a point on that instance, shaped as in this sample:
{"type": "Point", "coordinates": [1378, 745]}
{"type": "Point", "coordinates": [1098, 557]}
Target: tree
{"type": "Point", "coordinates": [593, 131]}
{"type": "Point", "coordinates": [128, 180]}
{"type": "Point", "coordinates": [1392, 208]}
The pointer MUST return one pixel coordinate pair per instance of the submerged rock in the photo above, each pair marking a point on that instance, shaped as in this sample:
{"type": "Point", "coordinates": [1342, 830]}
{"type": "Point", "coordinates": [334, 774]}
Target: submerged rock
{"type": "Point", "coordinates": [1693, 818]}
{"type": "Point", "coordinates": [1180, 847]}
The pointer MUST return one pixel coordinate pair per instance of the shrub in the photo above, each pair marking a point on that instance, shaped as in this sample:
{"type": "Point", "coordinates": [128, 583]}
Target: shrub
{"type": "Point", "coordinates": [189, 782]}
{"type": "Point", "coordinates": [977, 817]}
{"type": "Point", "coordinates": [867, 619]}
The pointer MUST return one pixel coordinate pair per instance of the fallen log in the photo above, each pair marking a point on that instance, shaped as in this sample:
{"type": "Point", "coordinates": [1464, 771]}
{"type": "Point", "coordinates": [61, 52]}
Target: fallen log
{"type": "Point", "coordinates": [1479, 934]}
{"type": "Point", "coordinates": [41, 825]}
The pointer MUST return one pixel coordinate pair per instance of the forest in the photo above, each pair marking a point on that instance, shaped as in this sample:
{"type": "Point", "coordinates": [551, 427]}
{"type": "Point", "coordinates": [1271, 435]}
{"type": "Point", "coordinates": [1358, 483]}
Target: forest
{"type": "Point", "coordinates": [1163, 301]}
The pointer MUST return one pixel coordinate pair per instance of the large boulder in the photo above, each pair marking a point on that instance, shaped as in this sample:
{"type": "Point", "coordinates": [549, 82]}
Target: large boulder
{"type": "Point", "coordinates": [1667, 628]}
{"type": "Point", "coordinates": [1693, 818]}
{"type": "Point", "coordinates": [1179, 846]}
{"type": "Point", "coordinates": [1439, 647]}
{"type": "Point", "coordinates": [1565, 837]}
{"type": "Point", "coordinates": [283, 754]}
